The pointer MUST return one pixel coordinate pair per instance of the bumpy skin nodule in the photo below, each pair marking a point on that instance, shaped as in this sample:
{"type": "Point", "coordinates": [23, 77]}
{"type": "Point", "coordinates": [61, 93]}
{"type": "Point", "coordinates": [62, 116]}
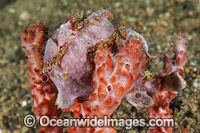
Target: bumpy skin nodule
{"type": "Point", "coordinates": [116, 75]}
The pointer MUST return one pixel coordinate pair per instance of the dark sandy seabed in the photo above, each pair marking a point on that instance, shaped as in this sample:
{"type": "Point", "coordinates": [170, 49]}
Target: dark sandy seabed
{"type": "Point", "coordinates": [155, 20]}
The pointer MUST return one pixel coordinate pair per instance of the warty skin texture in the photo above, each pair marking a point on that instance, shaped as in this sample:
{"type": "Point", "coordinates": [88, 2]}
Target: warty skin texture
{"type": "Point", "coordinates": [87, 87]}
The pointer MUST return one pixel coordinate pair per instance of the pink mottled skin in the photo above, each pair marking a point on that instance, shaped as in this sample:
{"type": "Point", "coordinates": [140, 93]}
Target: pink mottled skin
{"type": "Point", "coordinates": [75, 63]}
{"type": "Point", "coordinates": [74, 85]}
